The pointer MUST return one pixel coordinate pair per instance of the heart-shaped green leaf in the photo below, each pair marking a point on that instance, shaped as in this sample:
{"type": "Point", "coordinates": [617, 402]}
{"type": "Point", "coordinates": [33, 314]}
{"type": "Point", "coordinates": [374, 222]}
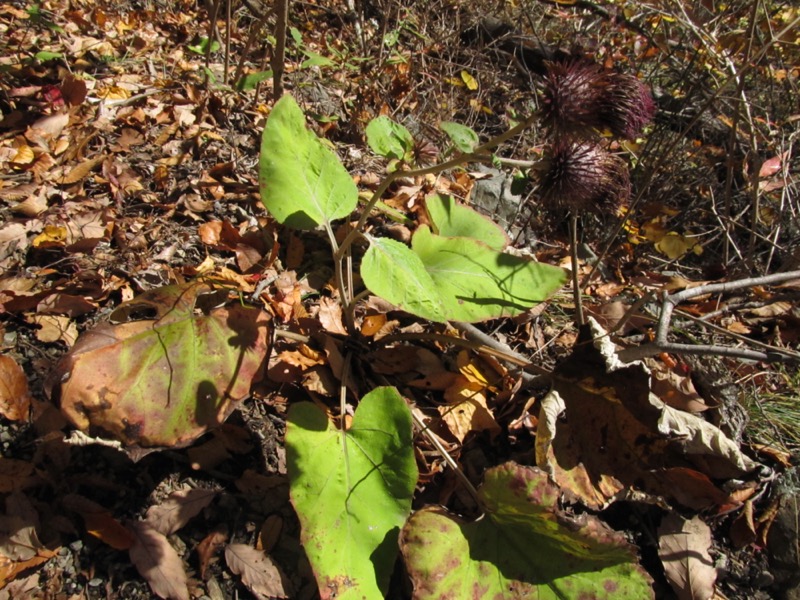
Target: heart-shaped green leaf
{"type": "Point", "coordinates": [167, 379]}
{"type": "Point", "coordinates": [393, 272]}
{"type": "Point", "coordinates": [352, 491]}
{"type": "Point", "coordinates": [302, 182]}
{"type": "Point", "coordinates": [522, 548]}
{"type": "Point", "coordinates": [451, 219]}
{"type": "Point", "coordinates": [389, 139]}
{"type": "Point", "coordinates": [463, 138]}
{"type": "Point", "coordinates": [476, 282]}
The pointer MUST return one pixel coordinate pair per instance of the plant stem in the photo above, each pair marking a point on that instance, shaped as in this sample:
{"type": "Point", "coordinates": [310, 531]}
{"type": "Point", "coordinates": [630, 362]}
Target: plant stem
{"type": "Point", "coordinates": [576, 283]}
{"type": "Point", "coordinates": [478, 154]}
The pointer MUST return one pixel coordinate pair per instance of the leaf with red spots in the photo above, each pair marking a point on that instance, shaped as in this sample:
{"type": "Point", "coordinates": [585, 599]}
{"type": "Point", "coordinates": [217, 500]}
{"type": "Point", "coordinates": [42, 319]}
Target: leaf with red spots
{"type": "Point", "coordinates": [523, 547]}
{"type": "Point", "coordinates": [167, 378]}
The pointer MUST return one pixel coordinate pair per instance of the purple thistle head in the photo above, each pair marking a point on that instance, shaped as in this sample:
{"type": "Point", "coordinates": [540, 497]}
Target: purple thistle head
{"type": "Point", "coordinates": [631, 106]}
{"type": "Point", "coordinates": [582, 176]}
{"type": "Point", "coordinates": [581, 97]}
{"type": "Point", "coordinates": [575, 96]}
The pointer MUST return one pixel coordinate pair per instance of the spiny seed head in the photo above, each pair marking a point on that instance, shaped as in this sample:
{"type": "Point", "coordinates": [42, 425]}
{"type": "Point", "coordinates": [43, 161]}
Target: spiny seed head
{"type": "Point", "coordinates": [631, 106]}
{"type": "Point", "coordinates": [575, 96]}
{"type": "Point", "coordinates": [580, 97]}
{"type": "Point", "coordinates": [582, 176]}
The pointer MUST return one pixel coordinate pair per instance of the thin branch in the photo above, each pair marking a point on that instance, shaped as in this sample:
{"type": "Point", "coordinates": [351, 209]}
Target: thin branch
{"type": "Point", "coordinates": [671, 301]}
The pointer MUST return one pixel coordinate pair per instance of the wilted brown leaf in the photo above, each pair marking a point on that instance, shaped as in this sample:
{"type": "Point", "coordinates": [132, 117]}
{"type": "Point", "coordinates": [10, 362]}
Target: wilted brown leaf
{"type": "Point", "coordinates": [99, 522]}
{"type": "Point", "coordinates": [13, 473]}
{"type": "Point", "coordinates": [208, 547]}
{"type": "Point", "coordinates": [683, 549]}
{"type": "Point", "coordinates": [178, 509]}
{"type": "Point", "coordinates": [15, 402]}
{"type": "Point", "coordinates": [258, 572]}
{"type": "Point", "coordinates": [467, 409]}
{"type": "Point", "coordinates": [617, 433]}
{"type": "Point", "coordinates": [158, 562]}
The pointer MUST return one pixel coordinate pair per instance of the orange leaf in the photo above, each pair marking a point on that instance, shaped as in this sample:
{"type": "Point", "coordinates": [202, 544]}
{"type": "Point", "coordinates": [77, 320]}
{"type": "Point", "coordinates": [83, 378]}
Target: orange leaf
{"type": "Point", "coordinates": [14, 399]}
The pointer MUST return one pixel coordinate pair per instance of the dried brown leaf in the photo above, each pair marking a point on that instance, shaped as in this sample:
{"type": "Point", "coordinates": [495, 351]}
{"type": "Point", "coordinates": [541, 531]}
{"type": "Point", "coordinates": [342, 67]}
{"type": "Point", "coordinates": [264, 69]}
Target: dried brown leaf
{"type": "Point", "coordinates": [99, 522]}
{"type": "Point", "coordinates": [13, 473]}
{"type": "Point", "coordinates": [258, 572]}
{"type": "Point", "coordinates": [15, 402]}
{"type": "Point", "coordinates": [683, 549]}
{"type": "Point", "coordinates": [178, 509]}
{"type": "Point", "coordinates": [157, 561]}
{"type": "Point", "coordinates": [209, 546]}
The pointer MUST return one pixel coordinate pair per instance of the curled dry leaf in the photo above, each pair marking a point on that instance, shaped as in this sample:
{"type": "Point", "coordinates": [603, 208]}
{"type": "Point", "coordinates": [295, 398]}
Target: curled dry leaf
{"type": "Point", "coordinates": [258, 572]}
{"type": "Point", "coordinates": [618, 434]}
{"type": "Point", "coordinates": [683, 548]}
{"type": "Point", "coordinates": [99, 522]}
{"type": "Point", "coordinates": [157, 561]}
{"type": "Point", "coordinates": [209, 546]}
{"type": "Point", "coordinates": [178, 509]}
{"type": "Point", "coordinates": [15, 402]}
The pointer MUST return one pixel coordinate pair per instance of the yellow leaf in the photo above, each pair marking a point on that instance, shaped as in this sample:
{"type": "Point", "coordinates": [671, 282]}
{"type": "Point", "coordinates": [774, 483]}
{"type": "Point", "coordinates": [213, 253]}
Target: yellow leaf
{"type": "Point", "coordinates": [53, 235]}
{"type": "Point", "coordinates": [674, 245]}
{"type": "Point", "coordinates": [24, 156]}
{"type": "Point", "coordinates": [469, 81]}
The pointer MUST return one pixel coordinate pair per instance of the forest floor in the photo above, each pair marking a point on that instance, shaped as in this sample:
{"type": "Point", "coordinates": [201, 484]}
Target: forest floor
{"type": "Point", "coordinates": [129, 160]}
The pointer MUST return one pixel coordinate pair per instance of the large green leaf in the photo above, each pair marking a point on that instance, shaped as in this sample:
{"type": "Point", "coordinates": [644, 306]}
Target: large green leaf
{"type": "Point", "coordinates": [166, 379]}
{"type": "Point", "coordinates": [302, 182]}
{"type": "Point", "coordinates": [475, 282]}
{"type": "Point", "coordinates": [389, 139]}
{"type": "Point", "coordinates": [352, 491]}
{"type": "Point", "coordinates": [393, 272]}
{"type": "Point", "coordinates": [451, 219]}
{"type": "Point", "coordinates": [522, 548]}
{"type": "Point", "coordinates": [463, 138]}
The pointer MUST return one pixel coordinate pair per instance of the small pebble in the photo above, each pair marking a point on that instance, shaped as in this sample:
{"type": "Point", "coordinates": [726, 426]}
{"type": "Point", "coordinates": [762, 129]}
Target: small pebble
{"type": "Point", "coordinates": [96, 582]}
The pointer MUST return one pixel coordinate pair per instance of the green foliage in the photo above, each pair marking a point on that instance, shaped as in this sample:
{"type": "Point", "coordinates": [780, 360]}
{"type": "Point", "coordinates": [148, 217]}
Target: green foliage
{"type": "Point", "coordinates": [476, 282]}
{"type": "Point", "coordinates": [250, 81]}
{"type": "Point", "coordinates": [302, 182]}
{"type": "Point", "coordinates": [394, 272]}
{"type": "Point", "coordinates": [390, 139]}
{"type": "Point", "coordinates": [202, 46]}
{"type": "Point", "coordinates": [519, 549]}
{"type": "Point", "coordinates": [451, 219]}
{"type": "Point", "coordinates": [464, 138]}
{"type": "Point", "coordinates": [352, 491]}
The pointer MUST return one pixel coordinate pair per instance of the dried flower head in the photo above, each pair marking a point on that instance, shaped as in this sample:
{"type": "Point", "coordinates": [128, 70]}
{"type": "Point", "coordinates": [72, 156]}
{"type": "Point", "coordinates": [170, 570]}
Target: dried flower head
{"type": "Point", "coordinates": [631, 106]}
{"type": "Point", "coordinates": [582, 176]}
{"type": "Point", "coordinates": [575, 96]}
{"type": "Point", "coordinates": [580, 97]}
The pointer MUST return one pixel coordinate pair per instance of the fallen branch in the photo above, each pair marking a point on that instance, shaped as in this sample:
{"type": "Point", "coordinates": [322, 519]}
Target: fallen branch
{"type": "Point", "coordinates": [670, 301]}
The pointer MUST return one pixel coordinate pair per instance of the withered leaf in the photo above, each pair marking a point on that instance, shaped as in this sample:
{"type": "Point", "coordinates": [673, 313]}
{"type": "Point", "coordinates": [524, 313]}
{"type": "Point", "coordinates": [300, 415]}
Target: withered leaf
{"type": "Point", "coordinates": [178, 509]}
{"type": "Point", "coordinates": [258, 572]}
{"type": "Point", "coordinates": [158, 562]}
{"type": "Point", "coordinates": [15, 401]}
{"type": "Point", "coordinates": [683, 549]}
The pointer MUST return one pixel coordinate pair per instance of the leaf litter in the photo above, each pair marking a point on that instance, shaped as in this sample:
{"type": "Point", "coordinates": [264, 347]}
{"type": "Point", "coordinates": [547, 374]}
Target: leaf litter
{"type": "Point", "coordinates": [121, 182]}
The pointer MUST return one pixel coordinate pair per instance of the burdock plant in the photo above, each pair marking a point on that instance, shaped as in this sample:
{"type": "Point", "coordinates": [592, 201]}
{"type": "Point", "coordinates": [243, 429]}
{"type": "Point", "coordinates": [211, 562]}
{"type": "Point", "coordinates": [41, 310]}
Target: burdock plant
{"type": "Point", "coordinates": [580, 101]}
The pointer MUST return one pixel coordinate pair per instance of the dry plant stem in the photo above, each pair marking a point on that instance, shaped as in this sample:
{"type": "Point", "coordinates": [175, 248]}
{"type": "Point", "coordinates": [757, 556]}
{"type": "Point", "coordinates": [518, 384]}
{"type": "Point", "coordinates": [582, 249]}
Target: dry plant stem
{"type": "Point", "coordinates": [227, 42]}
{"type": "Point", "coordinates": [255, 31]}
{"type": "Point", "coordinates": [573, 255]}
{"type": "Point", "coordinates": [344, 292]}
{"type": "Point", "coordinates": [447, 458]}
{"type": "Point", "coordinates": [212, 26]}
{"type": "Point", "coordinates": [670, 301]}
{"type": "Point", "coordinates": [278, 57]}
